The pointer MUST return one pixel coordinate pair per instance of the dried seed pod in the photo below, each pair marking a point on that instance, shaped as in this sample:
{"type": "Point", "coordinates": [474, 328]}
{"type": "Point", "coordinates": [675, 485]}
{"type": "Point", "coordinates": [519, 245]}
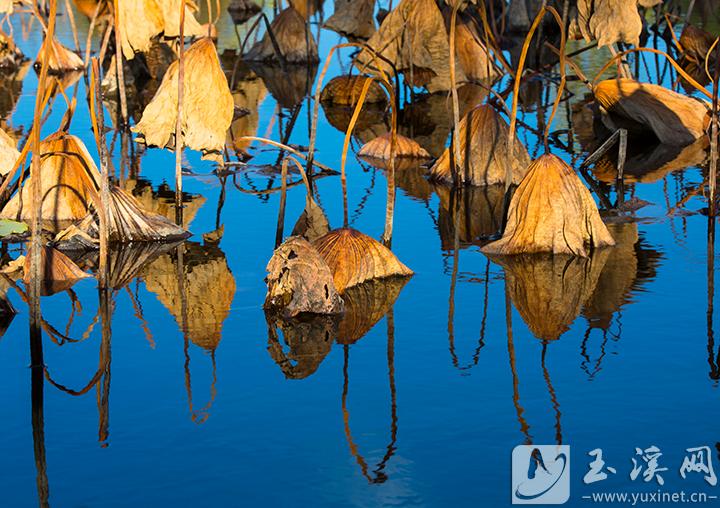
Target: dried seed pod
{"type": "Point", "coordinates": [552, 211]}
{"type": "Point", "coordinates": [59, 272]}
{"type": "Point", "coordinates": [353, 18]}
{"type": "Point", "coordinates": [60, 59]}
{"type": "Point", "coordinates": [483, 141]}
{"type": "Point", "coordinates": [299, 281]}
{"type": "Point", "coordinates": [354, 258]}
{"type": "Point", "coordinates": [345, 91]}
{"type": "Point", "coordinates": [207, 106]}
{"type": "Point", "coordinates": [675, 119]}
{"type": "Point", "coordinates": [289, 31]}
{"type": "Point", "coordinates": [380, 148]}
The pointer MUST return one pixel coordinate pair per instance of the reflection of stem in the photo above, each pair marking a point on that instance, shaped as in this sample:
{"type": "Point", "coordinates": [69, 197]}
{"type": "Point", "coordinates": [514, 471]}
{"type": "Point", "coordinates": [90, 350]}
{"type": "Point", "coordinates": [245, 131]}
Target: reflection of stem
{"type": "Point", "coordinates": [379, 472]}
{"type": "Point", "coordinates": [553, 395]}
{"type": "Point", "coordinates": [37, 392]}
{"type": "Point", "coordinates": [524, 427]}
{"type": "Point", "coordinates": [103, 390]}
{"type": "Point", "coordinates": [139, 314]}
{"type": "Point", "coordinates": [714, 372]}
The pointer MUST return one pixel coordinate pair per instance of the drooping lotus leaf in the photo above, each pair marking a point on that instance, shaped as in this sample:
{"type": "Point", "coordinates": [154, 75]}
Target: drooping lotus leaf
{"type": "Point", "coordinates": [381, 147]}
{"type": "Point", "coordinates": [552, 211]}
{"type": "Point", "coordinates": [60, 59]}
{"type": "Point", "coordinates": [353, 18]}
{"type": "Point", "coordinates": [607, 21]}
{"type": "Point", "coordinates": [289, 30]}
{"type": "Point", "coordinates": [8, 153]}
{"type": "Point", "coordinates": [345, 90]}
{"type": "Point", "coordinates": [354, 258]}
{"type": "Point", "coordinates": [299, 281]}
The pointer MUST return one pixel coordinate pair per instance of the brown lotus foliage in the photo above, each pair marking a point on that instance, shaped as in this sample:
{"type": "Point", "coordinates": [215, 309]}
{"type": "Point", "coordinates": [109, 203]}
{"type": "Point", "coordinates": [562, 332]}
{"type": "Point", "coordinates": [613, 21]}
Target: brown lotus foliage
{"type": "Point", "coordinates": [549, 291]}
{"type": "Point", "coordinates": [87, 7]}
{"type": "Point", "coordinates": [60, 59]}
{"type": "Point", "coordinates": [58, 271]}
{"type": "Point", "coordinates": [312, 223]}
{"type": "Point", "coordinates": [381, 147]}
{"type": "Point", "coordinates": [306, 8]}
{"type": "Point", "coordinates": [551, 211]}
{"type": "Point", "coordinates": [309, 338]}
{"type": "Point", "coordinates": [69, 178]}
{"type": "Point", "coordinates": [354, 258]}
{"type": "Point", "coordinates": [414, 38]}
{"type": "Point", "coordinates": [6, 6]}
{"type": "Point", "coordinates": [207, 105]}
{"type": "Point", "coordinates": [675, 119]}
{"type": "Point", "coordinates": [696, 43]}
{"type": "Point", "coordinates": [10, 55]}
{"type": "Point", "coordinates": [8, 153]}
{"type": "Point", "coordinates": [365, 305]}
{"type": "Point", "coordinates": [346, 90]}
{"type": "Point", "coordinates": [353, 18]}
{"type": "Point", "coordinates": [483, 136]}
{"type": "Point", "coordinates": [140, 21]}
{"type": "Point", "coordinates": [202, 304]}
{"type": "Point", "coordinates": [171, 19]}
{"type": "Point", "coordinates": [472, 55]}
{"type": "Point", "coordinates": [607, 21]}
{"type": "Point", "coordinates": [289, 30]}
{"type": "Point", "coordinates": [299, 281]}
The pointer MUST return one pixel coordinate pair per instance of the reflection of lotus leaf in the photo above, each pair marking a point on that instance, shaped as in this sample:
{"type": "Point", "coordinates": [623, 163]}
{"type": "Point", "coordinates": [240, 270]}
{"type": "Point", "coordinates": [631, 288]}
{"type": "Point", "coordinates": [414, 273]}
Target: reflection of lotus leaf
{"type": "Point", "coordinates": [478, 217]}
{"type": "Point", "coordinates": [289, 86]}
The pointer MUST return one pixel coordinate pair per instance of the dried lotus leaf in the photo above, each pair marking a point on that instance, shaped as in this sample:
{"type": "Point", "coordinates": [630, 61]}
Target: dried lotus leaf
{"type": "Point", "coordinates": [345, 91]}
{"type": "Point", "coordinates": [484, 149]}
{"type": "Point", "coordinates": [675, 119]}
{"type": "Point", "coordinates": [354, 258]}
{"type": "Point", "coordinates": [353, 18]}
{"type": "Point", "coordinates": [299, 281]}
{"type": "Point", "coordinates": [58, 271]}
{"type": "Point", "coordinates": [380, 148]}
{"type": "Point", "coordinates": [551, 211]}
{"type": "Point", "coordinates": [607, 21]}
{"type": "Point", "coordinates": [289, 30]}
{"type": "Point", "coordinates": [8, 153]}
{"type": "Point", "coordinates": [60, 58]}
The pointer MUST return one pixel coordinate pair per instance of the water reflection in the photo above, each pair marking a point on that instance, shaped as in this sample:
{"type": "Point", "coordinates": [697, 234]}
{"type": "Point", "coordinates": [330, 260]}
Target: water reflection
{"type": "Point", "coordinates": [309, 338]}
{"type": "Point", "coordinates": [473, 213]}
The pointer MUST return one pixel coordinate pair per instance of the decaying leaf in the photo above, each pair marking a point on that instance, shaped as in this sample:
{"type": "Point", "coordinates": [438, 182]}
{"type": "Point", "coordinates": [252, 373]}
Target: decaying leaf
{"type": "Point", "coordinates": [58, 271]}
{"type": "Point", "coordinates": [140, 21]}
{"type": "Point", "coordinates": [696, 44]}
{"type": "Point", "coordinates": [8, 153]}
{"type": "Point", "coordinates": [171, 19]}
{"type": "Point", "coordinates": [353, 18]}
{"type": "Point", "coordinates": [312, 223]}
{"type": "Point", "coordinates": [551, 211]}
{"type": "Point", "coordinates": [345, 90]}
{"type": "Point", "coordinates": [202, 303]}
{"type": "Point", "coordinates": [309, 337]}
{"type": "Point", "coordinates": [299, 281]}
{"type": "Point", "coordinates": [549, 290]}
{"type": "Point", "coordinates": [242, 10]}
{"type": "Point", "coordinates": [69, 177]}
{"type": "Point", "coordinates": [354, 258]}
{"type": "Point", "coordinates": [207, 106]}
{"type": "Point", "coordinates": [471, 52]}
{"type": "Point", "coordinates": [365, 305]}
{"type": "Point", "coordinates": [476, 212]}
{"type": "Point", "coordinates": [6, 6]}
{"type": "Point", "coordinates": [483, 136]}
{"type": "Point", "coordinates": [381, 147]}
{"type": "Point", "coordinates": [675, 119]}
{"type": "Point", "coordinates": [289, 31]}
{"type": "Point", "coordinates": [607, 21]}
{"type": "Point", "coordinates": [60, 58]}
{"type": "Point", "coordinates": [414, 38]}
{"type": "Point", "coordinates": [10, 55]}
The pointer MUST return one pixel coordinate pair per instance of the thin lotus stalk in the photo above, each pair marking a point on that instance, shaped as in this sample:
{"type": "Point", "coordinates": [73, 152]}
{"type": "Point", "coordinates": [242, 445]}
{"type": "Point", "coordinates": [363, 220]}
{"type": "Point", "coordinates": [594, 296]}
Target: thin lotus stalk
{"type": "Point", "coordinates": [714, 141]}
{"type": "Point", "coordinates": [569, 61]}
{"type": "Point", "coordinates": [96, 113]}
{"type": "Point", "coordinates": [120, 74]}
{"type": "Point", "coordinates": [672, 33]}
{"type": "Point", "coordinates": [105, 42]}
{"type": "Point", "coordinates": [453, 87]}
{"type": "Point", "coordinates": [178, 121]}
{"type": "Point", "coordinates": [36, 269]}
{"type": "Point", "coordinates": [91, 31]}
{"type": "Point", "coordinates": [73, 26]}
{"type": "Point", "coordinates": [707, 59]}
{"type": "Point", "coordinates": [491, 40]}
{"type": "Point", "coordinates": [670, 59]}
{"type": "Point", "coordinates": [518, 79]}
{"type": "Point", "coordinates": [287, 148]}
{"type": "Point", "coordinates": [283, 195]}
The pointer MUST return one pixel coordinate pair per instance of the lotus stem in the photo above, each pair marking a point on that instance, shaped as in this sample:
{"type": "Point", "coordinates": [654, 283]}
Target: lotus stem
{"type": "Point", "coordinates": [91, 31]}
{"type": "Point", "coordinates": [178, 121]}
{"type": "Point", "coordinates": [714, 141]}
{"type": "Point", "coordinates": [455, 100]}
{"type": "Point", "coordinates": [707, 59]}
{"type": "Point", "coordinates": [120, 71]}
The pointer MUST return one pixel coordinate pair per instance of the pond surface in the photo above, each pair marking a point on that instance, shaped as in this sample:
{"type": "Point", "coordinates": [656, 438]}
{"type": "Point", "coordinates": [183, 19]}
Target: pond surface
{"type": "Point", "coordinates": [420, 401]}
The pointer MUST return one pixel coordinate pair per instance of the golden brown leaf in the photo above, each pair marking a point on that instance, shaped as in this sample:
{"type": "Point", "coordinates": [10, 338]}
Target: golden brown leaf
{"type": "Point", "coordinates": [289, 30]}
{"type": "Point", "coordinates": [607, 21]}
{"type": "Point", "coordinates": [345, 91]}
{"type": "Point", "coordinates": [8, 153]}
{"type": "Point", "coordinates": [353, 18]}
{"type": "Point", "coordinates": [380, 148]}
{"type": "Point", "coordinates": [58, 271]}
{"type": "Point", "coordinates": [61, 59]}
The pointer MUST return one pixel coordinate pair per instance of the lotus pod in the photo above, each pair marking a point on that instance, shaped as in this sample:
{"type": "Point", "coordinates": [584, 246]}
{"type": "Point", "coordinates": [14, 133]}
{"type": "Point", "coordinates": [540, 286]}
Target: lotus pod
{"type": "Point", "coordinates": [380, 148]}
{"type": "Point", "coordinates": [69, 178]}
{"type": "Point", "coordinates": [60, 59]}
{"type": "Point", "coordinates": [353, 18]}
{"type": "Point", "coordinates": [8, 153]}
{"type": "Point", "coordinates": [484, 135]}
{"type": "Point", "coordinates": [607, 21]}
{"type": "Point", "coordinates": [207, 105]}
{"type": "Point", "coordinates": [58, 271]}
{"type": "Point", "coordinates": [354, 258]}
{"type": "Point", "coordinates": [289, 30]}
{"type": "Point", "coordinates": [675, 119]}
{"type": "Point", "coordinates": [139, 21]}
{"type": "Point", "coordinates": [299, 281]}
{"type": "Point", "coordinates": [346, 90]}
{"type": "Point", "coordinates": [552, 211]}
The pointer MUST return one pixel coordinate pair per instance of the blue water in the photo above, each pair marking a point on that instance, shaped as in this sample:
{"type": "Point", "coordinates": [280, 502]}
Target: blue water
{"type": "Point", "coordinates": [421, 411]}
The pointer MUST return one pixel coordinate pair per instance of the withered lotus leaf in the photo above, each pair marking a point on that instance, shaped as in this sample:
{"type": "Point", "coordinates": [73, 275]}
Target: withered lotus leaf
{"type": "Point", "coordinates": [10, 55]}
{"type": "Point", "coordinates": [380, 148]}
{"type": "Point", "coordinates": [354, 258]}
{"type": "Point", "coordinates": [696, 43]}
{"type": "Point", "coordinates": [171, 19]}
{"type": "Point", "coordinates": [483, 141]}
{"type": "Point", "coordinates": [312, 223]}
{"type": "Point", "coordinates": [607, 21]}
{"type": "Point", "coordinates": [552, 211]}
{"type": "Point", "coordinates": [289, 30]}
{"type": "Point", "coordinates": [6, 6]}
{"type": "Point", "coordinates": [345, 91]}
{"type": "Point", "coordinates": [140, 21]}
{"type": "Point", "coordinates": [472, 54]}
{"type": "Point", "coordinates": [60, 59]}
{"type": "Point", "coordinates": [353, 18]}
{"type": "Point", "coordinates": [414, 38]}
{"type": "Point", "coordinates": [8, 153]}
{"type": "Point", "coordinates": [58, 271]}
{"type": "Point", "coordinates": [69, 178]}
{"type": "Point", "coordinates": [675, 119]}
{"type": "Point", "coordinates": [299, 281]}
{"type": "Point", "coordinates": [549, 291]}
{"type": "Point", "coordinates": [207, 107]}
